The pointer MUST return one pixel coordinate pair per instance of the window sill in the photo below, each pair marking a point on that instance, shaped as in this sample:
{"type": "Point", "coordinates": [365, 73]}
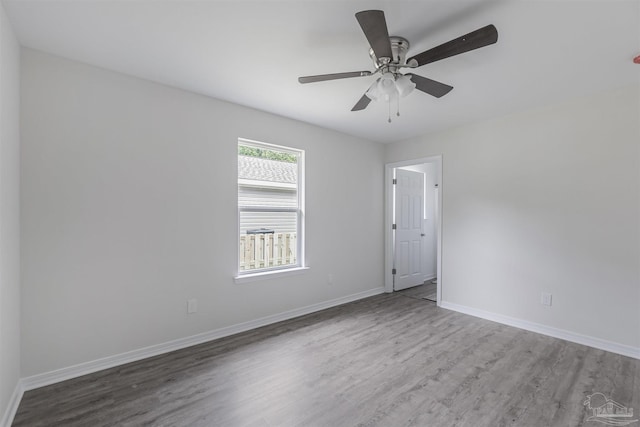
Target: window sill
{"type": "Point", "coordinates": [264, 275]}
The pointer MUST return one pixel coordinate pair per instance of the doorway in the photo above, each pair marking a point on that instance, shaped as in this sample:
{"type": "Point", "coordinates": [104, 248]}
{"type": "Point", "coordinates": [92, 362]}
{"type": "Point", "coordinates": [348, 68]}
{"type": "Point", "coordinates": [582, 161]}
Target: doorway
{"type": "Point", "coordinates": [413, 224]}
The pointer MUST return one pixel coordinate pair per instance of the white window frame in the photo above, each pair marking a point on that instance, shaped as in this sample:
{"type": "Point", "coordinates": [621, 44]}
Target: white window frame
{"type": "Point", "coordinates": [299, 266]}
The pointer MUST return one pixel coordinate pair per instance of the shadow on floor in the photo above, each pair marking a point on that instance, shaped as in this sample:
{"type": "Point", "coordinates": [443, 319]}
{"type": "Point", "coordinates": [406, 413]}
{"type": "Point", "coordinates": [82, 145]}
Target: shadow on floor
{"type": "Point", "coordinates": [426, 291]}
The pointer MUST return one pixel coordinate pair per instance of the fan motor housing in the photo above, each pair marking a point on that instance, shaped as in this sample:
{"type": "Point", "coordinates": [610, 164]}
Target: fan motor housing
{"type": "Point", "coordinates": [399, 48]}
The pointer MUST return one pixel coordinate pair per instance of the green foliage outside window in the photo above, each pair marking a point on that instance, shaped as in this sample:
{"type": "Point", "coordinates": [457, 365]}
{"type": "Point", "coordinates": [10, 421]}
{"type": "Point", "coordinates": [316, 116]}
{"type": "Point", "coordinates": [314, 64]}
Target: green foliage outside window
{"type": "Point", "coordinates": [243, 150]}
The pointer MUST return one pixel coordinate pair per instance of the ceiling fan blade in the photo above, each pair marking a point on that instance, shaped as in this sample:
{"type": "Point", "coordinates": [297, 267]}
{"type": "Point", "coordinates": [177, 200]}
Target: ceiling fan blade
{"type": "Point", "coordinates": [374, 27]}
{"type": "Point", "coordinates": [429, 86]}
{"type": "Point", "coordinates": [365, 100]}
{"type": "Point", "coordinates": [362, 103]}
{"type": "Point", "coordinates": [335, 76]}
{"type": "Point", "coordinates": [474, 40]}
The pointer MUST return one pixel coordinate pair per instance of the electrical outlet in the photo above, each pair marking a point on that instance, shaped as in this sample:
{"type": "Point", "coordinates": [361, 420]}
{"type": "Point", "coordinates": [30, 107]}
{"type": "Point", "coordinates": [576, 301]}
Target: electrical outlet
{"type": "Point", "coordinates": [192, 306]}
{"type": "Point", "coordinates": [545, 299]}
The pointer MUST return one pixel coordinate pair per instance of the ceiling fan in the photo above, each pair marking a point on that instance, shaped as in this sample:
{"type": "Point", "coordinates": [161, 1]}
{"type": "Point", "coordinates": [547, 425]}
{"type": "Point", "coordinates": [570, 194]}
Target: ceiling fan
{"type": "Point", "coordinates": [389, 57]}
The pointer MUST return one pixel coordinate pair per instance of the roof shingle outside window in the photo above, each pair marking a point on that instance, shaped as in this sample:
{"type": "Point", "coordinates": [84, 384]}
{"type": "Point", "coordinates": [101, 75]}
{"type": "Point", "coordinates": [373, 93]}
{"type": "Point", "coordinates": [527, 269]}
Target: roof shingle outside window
{"type": "Point", "coordinates": [257, 169]}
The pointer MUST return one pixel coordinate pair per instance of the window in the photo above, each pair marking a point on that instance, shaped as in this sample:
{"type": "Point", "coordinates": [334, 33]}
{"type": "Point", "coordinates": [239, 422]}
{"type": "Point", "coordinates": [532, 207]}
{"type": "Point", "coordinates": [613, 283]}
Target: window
{"type": "Point", "coordinates": [270, 207]}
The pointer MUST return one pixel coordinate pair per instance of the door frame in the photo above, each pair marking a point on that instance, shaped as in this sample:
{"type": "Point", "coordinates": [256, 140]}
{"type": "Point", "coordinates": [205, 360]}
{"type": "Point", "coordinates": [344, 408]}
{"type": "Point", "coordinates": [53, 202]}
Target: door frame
{"type": "Point", "coordinates": [388, 220]}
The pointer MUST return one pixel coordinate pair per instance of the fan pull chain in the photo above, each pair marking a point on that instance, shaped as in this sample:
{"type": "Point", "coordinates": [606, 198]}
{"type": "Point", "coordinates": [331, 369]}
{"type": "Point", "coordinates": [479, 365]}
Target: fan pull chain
{"type": "Point", "coordinates": [398, 109]}
{"type": "Point", "coordinates": [389, 111]}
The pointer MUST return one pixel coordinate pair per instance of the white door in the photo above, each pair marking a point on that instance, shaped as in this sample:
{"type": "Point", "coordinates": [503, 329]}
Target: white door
{"type": "Point", "coordinates": [409, 213]}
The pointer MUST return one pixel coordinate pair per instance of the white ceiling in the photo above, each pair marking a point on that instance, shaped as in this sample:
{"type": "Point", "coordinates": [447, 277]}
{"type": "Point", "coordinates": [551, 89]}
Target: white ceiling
{"type": "Point", "coordinates": [251, 53]}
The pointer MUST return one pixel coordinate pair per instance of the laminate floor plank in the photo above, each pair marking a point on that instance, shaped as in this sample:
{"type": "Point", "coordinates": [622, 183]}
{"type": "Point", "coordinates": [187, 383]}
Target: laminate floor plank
{"type": "Point", "coordinates": [389, 360]}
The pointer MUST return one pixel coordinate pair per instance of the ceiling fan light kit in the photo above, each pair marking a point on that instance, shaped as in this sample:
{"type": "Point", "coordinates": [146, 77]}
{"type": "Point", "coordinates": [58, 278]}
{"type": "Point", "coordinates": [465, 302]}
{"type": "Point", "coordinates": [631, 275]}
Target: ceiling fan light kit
{"type": "Point", "coordinates": [389, 58]}
{"type": "Point", "coordinates": [404, 85]}
{"type": "Point", "coordinates": [389, 88]}
{"type": "Point", "coordinates": [387, 83]}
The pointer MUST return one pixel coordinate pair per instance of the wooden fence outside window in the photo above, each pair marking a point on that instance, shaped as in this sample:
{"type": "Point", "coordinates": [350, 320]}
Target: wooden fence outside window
{"type": "Point", "coordinates": [267, 250]}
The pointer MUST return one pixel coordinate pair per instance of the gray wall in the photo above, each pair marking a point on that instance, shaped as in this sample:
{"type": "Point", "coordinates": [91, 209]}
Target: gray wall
{"type": "Point", "coordinates": [546, 200]}
{"type": "Point", "coordinates": [129, 209]}
{"type": "Point", "coordinates": [9, 213]}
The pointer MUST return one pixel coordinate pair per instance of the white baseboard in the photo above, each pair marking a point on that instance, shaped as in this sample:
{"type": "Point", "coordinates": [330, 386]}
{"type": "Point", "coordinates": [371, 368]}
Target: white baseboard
{"type": "Point", "coordinates": [41, 380]}
{"type": "Point", "coordinates": [625, 350]}
{"type": "Point", "coordinates": [12, 407]}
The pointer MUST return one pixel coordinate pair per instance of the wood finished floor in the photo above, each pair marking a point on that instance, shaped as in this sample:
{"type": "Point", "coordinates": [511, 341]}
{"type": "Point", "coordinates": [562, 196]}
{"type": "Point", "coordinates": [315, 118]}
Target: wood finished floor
{"type": "Point", "coordinates": [388, 360]}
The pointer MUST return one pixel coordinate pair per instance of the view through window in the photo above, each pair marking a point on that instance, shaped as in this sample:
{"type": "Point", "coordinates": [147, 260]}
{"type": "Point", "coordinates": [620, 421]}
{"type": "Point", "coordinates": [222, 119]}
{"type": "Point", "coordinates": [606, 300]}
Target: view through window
{"type": "Point", "coordinates": [269, 207]}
